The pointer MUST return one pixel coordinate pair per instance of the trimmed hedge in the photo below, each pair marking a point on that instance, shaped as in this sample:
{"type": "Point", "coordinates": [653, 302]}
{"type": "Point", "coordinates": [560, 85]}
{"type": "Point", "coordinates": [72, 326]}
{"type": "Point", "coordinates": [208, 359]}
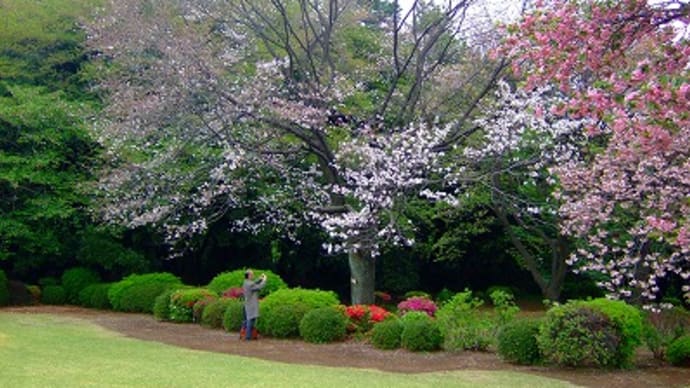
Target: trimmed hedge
{"type": "Point", "coordinates": [76, 279]}
{"type": "Point", "coordinates": [283, 310]}
{"type": "Point", "coordinates": [599, 332]}
{"type": "Point", "coordinates": [213, 313]}
{"type": "Point", "coordinates": [182, 303]}
{"type": "Point", "coordinates": [628, 321]}
{"type": "Point", "coordinates": [137, 293]}
{"type": "Point", "coordinates": [227, 280]}
{"type": "Point", "coordinates": [95, 296]}
{"type": "Point", "coordinates": [53, 295]}
{"type": "Point", "coordinates": [386, 334]}
{"type": "Point", "coordinates": [678, 352]}
{"type": "Point", "coordinates": [517, 342]}
{"type": "Point", "coordinates": [234, 314]}
{"type": "Point", "coordinates": [4, 289]}
{"type": "Point", "coordinates": [421, 335]}
{"type": "Point", "coordinates": [161, 305]}
{"type": "Point", "coordinates": [323, 325]}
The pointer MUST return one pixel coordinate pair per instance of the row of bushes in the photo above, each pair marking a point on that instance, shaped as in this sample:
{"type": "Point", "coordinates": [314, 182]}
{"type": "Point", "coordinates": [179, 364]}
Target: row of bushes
{"type": "Point", "coordinates": [598, 332]}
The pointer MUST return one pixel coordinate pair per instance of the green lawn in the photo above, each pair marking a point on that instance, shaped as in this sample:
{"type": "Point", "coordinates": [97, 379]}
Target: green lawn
{"type": "Point", "coordinates": [38, 350]}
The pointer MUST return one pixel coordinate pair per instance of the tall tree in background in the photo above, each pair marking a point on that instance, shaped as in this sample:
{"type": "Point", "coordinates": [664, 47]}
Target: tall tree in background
{"type": "Point", "coordinates": [623, 66]}
{"type": "Point", "coordinates": [519, 147]}
{"type": "Point", "coordinates": [45, 149]}
{"type": "Point", "coordinates": [294, 110]}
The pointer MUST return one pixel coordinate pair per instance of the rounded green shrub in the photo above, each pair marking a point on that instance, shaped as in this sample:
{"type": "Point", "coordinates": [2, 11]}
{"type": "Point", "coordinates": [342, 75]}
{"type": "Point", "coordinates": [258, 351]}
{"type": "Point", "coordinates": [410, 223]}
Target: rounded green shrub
{"type": "Point", "coordinates": [4, 289]}
{"type": "Point", "coordinates": [323, 325]}
{"type": "Point", "coordinates": [231, 279]}
{"type": "Point", "coordinates": [182, 303]}
{"type": "Point", "coordinates": [415, 316]}
{"type": "Point", "coordinates": [283, 321]}
{"type": "Point", "coordinates": [200, 306]}
{"type": "Point", "coordinates": [76, 279]}
{"type": "Point", "coordinates": [137, 293]}
{"type": "Point", "coordinates": [517, 342]}
{"type": "Point", "coordinates": [233, 315]}
{"type": "Point", "coordinates": [161, 305]}
{"type": "Point", "coordinates": [213, 313]}
{"type": "Point", "coordinates": [421, 335]}
{"type": "Point", "coordinates": [628, 321]}
{"type": "Point", "coordinates": [53, 295]}
{"type": "Point", "coordinates": [577, 335]}
{"type": "Point", "coordinates": [95, 296]}
{"type": "Point", "coordinates": [282, 310]}
{"type": "Point", "coordinates": [678, 352]}
{"type": "Point", "coordinates": [386, 334]}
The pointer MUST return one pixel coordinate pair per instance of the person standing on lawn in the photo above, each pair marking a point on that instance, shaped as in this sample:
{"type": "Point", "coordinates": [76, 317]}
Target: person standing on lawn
{"type": "Point", "coordinates": [251, 290]}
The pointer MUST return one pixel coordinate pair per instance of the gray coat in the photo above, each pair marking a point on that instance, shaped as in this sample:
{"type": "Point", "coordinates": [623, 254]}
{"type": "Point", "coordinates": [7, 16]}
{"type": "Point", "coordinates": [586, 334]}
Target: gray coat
{"type": "Point", "coordinates": [251, 296]}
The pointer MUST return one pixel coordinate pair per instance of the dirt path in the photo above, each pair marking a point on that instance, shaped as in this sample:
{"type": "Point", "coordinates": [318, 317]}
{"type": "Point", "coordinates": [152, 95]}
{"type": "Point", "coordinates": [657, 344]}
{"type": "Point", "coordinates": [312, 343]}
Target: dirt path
{"type": "Point", "coordinates": [648, 373]}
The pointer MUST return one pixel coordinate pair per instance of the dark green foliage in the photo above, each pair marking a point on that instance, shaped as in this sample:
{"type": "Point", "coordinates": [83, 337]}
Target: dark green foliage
{"type": "Point", "coordinates": [53, 295]}
{"type": "Point", "coordinates": [463, 325]}
{"type": "Point", "coordinates": [580, 287]}
{"type": "Point", "coordinates": [48, 281]}
{"type": "Point", "coordinates": [19, 294]}
{"type": "Point", "coordinates": [414, 293]}
{"type": "Point", "coordinates": [663, 327]}
{"type": "Point", "coordinates": [421, 335]}
{"type": "Point", "coordinates": [444, 296]}
{"type": "Point", "coordinates": [577, 335]}
{"type": "Point", "coordinates": [233, 316]}
{"type": "Point", "coordinates": [137, 293]}
{"type": "Point", "coordinates": [679, 351]}
{"type": "Point", "coordinates": [182, 302]}
{"type": "Point", "coordinates": [161, 305]}
{"type": "Point", "coordinates": [323, 325]}
{"type": "Point", "coordinates": [76, 279]}
{"type": "Point", "coordinates": [101, 249]}
{"type": "Point", "coordinates": [235, 278]}
{"type": "Point", "coordinates": [517, 342]}
{"type": "Point", "coordinates": [95, 296]}
{"type": "Point", "coordinates": [386, 334]}
{"type": "Point", "coordinates": [213, 313]}
{"type": "Point", "coordinates": [282, 310]}
{"type": "Point", "coordinates": [4, 289]}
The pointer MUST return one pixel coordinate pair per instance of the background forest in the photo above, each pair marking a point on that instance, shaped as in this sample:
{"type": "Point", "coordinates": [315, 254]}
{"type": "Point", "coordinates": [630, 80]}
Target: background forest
{"type": "Point", "coordinates": [70, 83]}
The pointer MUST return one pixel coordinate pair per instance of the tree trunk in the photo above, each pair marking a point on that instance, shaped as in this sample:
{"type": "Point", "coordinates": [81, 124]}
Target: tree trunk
{"type": "Point", "coordinates": [362, 277]}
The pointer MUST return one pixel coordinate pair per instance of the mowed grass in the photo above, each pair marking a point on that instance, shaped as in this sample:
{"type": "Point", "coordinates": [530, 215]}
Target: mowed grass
{"type": "Point", "coordinates": [40, 350]}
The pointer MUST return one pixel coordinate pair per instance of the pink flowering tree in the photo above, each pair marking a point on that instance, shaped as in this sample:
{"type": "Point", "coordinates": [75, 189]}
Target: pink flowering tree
{"type": "Point", "coordinates": [624, 67]}
{"type": "Point", "coordinates": [292, 111]}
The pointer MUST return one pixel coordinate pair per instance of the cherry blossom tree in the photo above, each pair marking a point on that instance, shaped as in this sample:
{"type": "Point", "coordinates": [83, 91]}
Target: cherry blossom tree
{"type": "Point", "coordinates": [520, 145]}
{"type": "Point", "coordinates": [298, 111]}
{"type": "Point", "coordinates": [623, 66]}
